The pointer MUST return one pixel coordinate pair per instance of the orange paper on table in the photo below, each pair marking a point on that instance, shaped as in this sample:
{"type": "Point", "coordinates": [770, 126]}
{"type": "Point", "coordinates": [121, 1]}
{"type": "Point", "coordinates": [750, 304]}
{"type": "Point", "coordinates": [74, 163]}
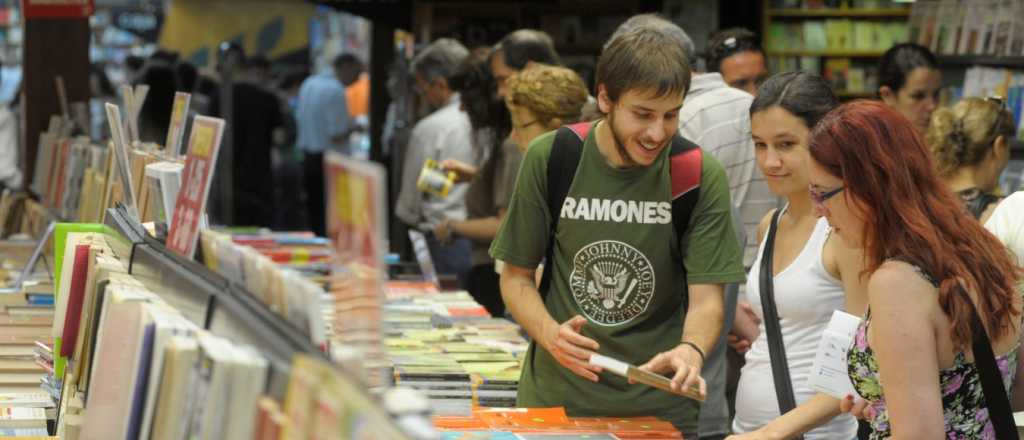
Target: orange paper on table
{"type": "Point", "coordinates": [520, 418]}
{"type": "Point", "coordinates": [459, 423]}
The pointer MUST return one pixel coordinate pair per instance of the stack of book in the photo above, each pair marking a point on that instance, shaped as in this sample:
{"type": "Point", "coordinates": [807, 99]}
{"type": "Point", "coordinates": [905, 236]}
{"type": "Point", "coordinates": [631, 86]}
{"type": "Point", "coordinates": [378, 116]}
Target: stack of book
{"type": "Point", "coordinates": [447, 346]}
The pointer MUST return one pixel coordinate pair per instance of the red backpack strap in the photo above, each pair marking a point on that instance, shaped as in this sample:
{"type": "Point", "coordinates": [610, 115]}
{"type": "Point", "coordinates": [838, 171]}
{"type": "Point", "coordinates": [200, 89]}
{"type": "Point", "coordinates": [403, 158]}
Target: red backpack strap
{"type": "Point", "coordinates": [686, 162]}
{"type": "Point", "coordinates": [686, 170]}
{"type": "Point", "coordinates": [581, 129]}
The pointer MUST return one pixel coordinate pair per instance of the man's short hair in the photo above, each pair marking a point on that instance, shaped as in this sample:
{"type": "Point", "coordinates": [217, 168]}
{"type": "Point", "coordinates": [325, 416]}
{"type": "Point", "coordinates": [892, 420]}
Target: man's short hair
{"type": "Point", "coordinates": [258, 62]}
{"type": "Point", "coordinates": [729, 42]}
{"type": "Point", "coordinates": [658, 23]}
{"type": "Point", "coordinates": [346, 59]}
{"type": "Point", "coordinates": [645, 59]}
{"type": "Point", "coordinates": [441, 59]}
{"type": "Point", "coordinates": [525, 45]}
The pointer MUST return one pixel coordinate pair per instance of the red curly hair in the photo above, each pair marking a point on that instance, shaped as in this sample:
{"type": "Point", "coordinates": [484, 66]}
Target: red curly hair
{"type": "Point", "coordinates": [913, 215]}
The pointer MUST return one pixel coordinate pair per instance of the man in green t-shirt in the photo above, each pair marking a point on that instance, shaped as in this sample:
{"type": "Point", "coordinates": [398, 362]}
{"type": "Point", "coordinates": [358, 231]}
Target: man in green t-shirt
{"type": "Point", "coordinates": [620, 275]}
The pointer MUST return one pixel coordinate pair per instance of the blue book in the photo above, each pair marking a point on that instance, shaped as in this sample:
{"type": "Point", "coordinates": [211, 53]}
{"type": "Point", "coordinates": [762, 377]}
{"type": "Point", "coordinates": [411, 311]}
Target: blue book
{"type": "Point", "coordinates": [141, 382]}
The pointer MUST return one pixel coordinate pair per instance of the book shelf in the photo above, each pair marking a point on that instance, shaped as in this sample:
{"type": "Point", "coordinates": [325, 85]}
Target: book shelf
{"type": "Point", "coordinates": [1016, 62]}
{"type": "Point", "coordinates": [850, 13]}
{"type": "Point", "coordinates": [827, 53]}
{"type": "Point", "coordinates": [226, 309]}
{"type": "Point", "coordinates": [841, 43]}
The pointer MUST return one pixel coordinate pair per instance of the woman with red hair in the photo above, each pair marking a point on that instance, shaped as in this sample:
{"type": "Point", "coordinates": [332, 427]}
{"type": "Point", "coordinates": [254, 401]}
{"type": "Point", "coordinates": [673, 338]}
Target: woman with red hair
{"type": "Point", "coordinates": [938, 283]}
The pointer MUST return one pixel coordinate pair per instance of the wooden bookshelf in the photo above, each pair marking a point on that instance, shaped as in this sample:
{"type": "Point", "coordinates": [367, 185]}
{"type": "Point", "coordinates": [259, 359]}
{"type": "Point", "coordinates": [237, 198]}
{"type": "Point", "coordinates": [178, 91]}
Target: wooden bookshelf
{"type": "Point", "coordinates": [826, 53]}
{"type": "Point", "coordinates": [840, 13]}
{"type": "Point", "coordinates": [981, 60]}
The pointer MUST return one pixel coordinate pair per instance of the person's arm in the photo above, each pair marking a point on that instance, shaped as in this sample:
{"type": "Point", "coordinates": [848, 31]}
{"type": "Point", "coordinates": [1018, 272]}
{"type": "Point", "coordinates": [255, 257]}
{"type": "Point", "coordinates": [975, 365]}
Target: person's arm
{"type": "Point", "coordinates": [478, 229]}
{"type": "Point", "coordinates": [563, 341]}
{"type": "Point", "coordinates": [814, 412]}
{"type": "Point", "coordinates": [1017, 398]}
{"type": "Point", "coordinates": [745, 327]}
{"type": "Point", "coordinates": [341, 122]}
{"type": "Point", "coordinates": [464, 172]}
{"type": "Point", "coordinates": [905, 347]}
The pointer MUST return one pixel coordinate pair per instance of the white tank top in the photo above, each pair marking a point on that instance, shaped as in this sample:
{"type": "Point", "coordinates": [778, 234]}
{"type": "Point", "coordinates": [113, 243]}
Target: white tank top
{"type": "Point", "coordinates": [805, 296]}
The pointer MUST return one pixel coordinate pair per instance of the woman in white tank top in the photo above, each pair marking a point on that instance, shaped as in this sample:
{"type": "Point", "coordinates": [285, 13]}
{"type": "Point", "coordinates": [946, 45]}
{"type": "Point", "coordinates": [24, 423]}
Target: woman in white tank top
{"type": "Point", "coordinates": [812, 271]}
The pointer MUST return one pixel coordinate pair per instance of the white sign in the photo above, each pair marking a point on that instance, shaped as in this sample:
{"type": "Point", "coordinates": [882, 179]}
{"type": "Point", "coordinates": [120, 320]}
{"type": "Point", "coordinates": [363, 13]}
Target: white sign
{"type": "Point", "coordinates": [829, 373]}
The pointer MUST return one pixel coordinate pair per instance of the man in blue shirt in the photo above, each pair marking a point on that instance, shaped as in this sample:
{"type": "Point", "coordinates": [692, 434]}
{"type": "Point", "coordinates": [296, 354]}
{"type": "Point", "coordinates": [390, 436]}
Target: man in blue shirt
{"type": "Point", "coordinates": [323, 123]}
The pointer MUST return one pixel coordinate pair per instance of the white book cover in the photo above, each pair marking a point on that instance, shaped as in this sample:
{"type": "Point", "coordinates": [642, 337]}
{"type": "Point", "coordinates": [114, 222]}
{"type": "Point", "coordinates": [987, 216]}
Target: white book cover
{"type": "Point", "coordinates": [250, 378]}
{"type": "Point", "coordinates": [169, 323]}
{"type": "Point", "coordinates": [829, 372]}
{"type": "Point", "coordinates": [164, 179]}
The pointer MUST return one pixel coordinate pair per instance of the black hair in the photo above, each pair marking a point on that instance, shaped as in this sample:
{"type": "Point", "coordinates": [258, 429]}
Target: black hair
{"type": "Point", "coordinates": [525, 45]}
{"type": "Point", "coordinates": [805, 95]}
{"type": "Point", "coordinates": [259, 62]}
{"type": "Point", "coordinates": [346, 58]}
{"type": "Point", "coordinates": [187, 75]}
{"type": "Point", "coordinates": [901, 59]}
{"type": "Point", "coordinates": [475, 84]}
{"type": "Point", "coordinates": [106, 88]}
{"type": "Point", "coordinates": [293, 78]}
{"type": "Point", "coordinates": [134, 62]}
{"type": "Point", "coordinates": [729, 42]}
{"type": "Point", "coordinates": [164, 55]}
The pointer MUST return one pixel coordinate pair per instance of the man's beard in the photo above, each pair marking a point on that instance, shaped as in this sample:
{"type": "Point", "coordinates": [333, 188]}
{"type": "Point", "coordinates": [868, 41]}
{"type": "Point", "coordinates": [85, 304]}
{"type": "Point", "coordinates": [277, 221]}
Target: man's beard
{"type": "Point", "coordinates": [620, 146]}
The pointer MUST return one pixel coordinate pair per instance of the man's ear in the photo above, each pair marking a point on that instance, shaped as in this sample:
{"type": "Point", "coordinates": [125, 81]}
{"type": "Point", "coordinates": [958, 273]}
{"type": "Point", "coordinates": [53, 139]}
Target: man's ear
{"type": "Point", "coordinates": [604, 103]}
{"type": "Point", "coordinates": [1001, 149]}
{"type": "Point", "coordinates": [440, 83]}
{"type": "Point", "coordinates": [887, 94]}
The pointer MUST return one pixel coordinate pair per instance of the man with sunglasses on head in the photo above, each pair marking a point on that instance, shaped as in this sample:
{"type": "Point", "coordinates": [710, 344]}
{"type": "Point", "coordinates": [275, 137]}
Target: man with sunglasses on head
{"type": "Point", "coordinates": [737, 55]}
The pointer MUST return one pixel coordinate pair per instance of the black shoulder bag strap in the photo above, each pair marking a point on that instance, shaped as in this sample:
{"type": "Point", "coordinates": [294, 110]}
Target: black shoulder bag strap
{"type": "Point", "coordinates": [776, 349]}
{"type": "Point", "coordinates": [565, 157]}
{"type": "Point", "coordinates": [998, 403]}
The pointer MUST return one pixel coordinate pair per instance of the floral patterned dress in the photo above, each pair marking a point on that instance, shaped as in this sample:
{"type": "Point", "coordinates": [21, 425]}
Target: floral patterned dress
{"type": "Point", "coordinates": [963, 402]}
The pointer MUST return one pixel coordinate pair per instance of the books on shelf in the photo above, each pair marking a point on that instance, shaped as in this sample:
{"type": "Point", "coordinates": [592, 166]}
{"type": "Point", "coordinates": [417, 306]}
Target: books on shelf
{"type": "Point", "coordinates": [969, 27]}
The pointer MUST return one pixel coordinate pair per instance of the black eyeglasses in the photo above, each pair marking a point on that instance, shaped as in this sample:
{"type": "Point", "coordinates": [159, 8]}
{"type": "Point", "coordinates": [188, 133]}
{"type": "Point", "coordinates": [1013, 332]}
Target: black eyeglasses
{"type": "Point", "coordinates": [819, 198]}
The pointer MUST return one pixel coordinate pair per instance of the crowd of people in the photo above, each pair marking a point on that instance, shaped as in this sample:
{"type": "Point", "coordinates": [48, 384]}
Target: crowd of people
{"type": "Point", "coordinates": [620, 219]}
{"type": "Point", "coordinates": [283, 119]}
{"type": "Point", "coordinates": [688, 213]}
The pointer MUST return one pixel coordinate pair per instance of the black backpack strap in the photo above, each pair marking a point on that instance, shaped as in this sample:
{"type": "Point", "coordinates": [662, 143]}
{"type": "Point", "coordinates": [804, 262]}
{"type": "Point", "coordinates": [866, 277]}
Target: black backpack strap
{"type": "Point", "coordinates": [565, 157]}
{"type": "Point", "coordinates": [686, 166]}
{"type": "Point", "coordinates": [996, 399]}
{"type": "Point", "coordinates": [776, 348]}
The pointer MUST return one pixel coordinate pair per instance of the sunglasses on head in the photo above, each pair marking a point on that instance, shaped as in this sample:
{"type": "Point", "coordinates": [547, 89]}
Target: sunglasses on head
{"type": "Point", "coordinates": [1001, 104]}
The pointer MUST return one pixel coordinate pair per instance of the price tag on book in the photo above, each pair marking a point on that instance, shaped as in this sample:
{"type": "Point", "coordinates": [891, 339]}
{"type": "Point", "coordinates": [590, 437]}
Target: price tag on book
{"type": "Point", "coordinates": [203, 145]}
{"type": "Point", "coordinates": [172, 147]}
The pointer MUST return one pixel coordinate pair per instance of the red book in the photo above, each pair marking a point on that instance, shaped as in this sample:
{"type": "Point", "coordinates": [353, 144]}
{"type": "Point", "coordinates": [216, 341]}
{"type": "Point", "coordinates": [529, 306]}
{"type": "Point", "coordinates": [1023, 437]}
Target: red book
{"type": "Point", "coordinates": [76, 297]}
{"type": "Point", "coordinates": [63, 151]}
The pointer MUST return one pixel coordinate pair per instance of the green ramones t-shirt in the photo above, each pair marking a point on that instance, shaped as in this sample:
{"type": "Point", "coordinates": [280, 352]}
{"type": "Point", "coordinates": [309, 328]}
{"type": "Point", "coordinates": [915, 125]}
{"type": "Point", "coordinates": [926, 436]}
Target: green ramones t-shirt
{"type": "Point", "coordinates": [616, 262]}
